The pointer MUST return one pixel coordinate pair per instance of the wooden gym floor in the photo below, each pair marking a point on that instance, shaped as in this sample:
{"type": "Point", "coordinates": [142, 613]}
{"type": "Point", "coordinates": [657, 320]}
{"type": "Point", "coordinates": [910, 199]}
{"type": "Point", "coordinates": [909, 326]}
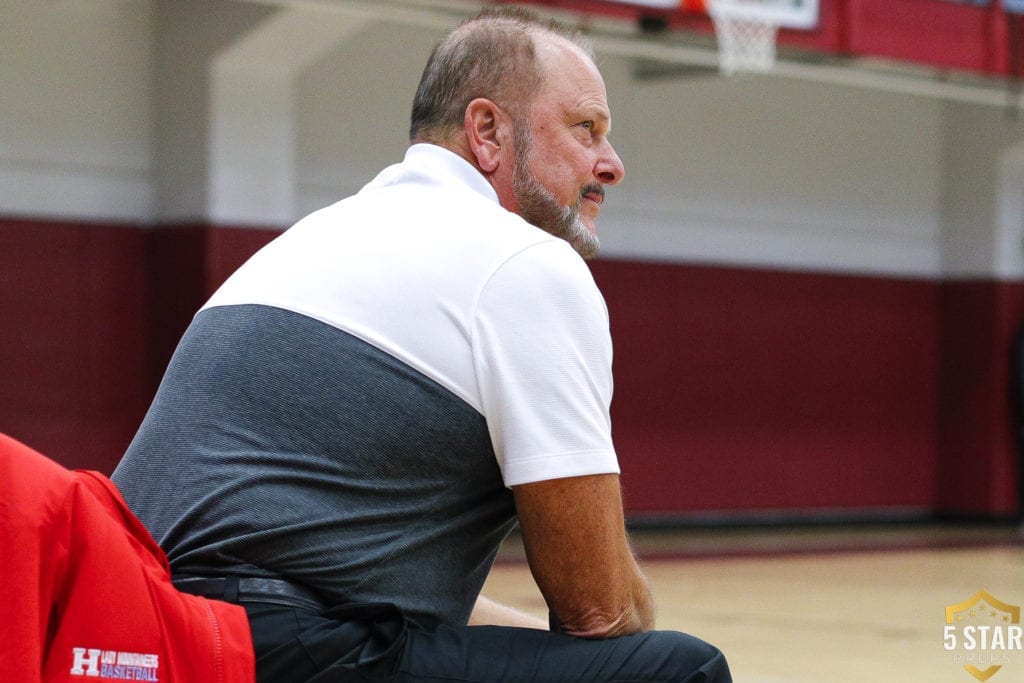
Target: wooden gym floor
{"type": "Point", "coordinates": [817, 605]}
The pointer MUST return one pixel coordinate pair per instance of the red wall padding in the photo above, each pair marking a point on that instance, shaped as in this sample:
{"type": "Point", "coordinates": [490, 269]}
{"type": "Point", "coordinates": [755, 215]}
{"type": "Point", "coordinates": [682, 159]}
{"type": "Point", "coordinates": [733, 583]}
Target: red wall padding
{"type": "Point", "coordinates": [978, 421]}
{"type": "Point", "coordinates": [740, 389]}
{"type": "Point", "coordinates": [939, 33]}
{"type": "Point", "coordinates": [74, 357]}
{"type": "Point", "coordinates": [737, 390]}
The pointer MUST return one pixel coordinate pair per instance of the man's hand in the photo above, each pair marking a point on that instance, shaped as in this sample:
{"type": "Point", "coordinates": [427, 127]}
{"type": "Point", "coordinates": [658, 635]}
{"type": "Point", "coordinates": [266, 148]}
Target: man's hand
{"type": "Point", "coordinates": [487, 612]}
{"type": "Point", "coordinates": [575, 540]}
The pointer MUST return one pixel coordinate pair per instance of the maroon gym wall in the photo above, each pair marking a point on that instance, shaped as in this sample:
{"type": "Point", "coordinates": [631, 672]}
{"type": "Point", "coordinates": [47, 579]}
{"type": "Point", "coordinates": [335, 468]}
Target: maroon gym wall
{"type": "Point", "coordinates": [737, 390]}
{"type": "Point", "coordinates": [74, 343]}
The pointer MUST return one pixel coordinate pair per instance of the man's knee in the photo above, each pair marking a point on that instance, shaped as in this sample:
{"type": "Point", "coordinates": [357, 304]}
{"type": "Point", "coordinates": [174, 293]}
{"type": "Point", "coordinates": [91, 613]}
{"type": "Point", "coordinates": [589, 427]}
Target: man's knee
{"type": "Point", "coordinates": [690, 660]}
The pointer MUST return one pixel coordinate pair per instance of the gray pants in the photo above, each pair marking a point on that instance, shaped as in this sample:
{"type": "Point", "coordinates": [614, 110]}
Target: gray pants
{"type": "Point", "coordinates": [375, 643]}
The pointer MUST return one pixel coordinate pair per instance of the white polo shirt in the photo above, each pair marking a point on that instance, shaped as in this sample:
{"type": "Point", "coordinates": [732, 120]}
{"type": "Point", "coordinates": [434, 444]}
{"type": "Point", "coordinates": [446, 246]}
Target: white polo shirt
{"type": "Point", "coordinates": [424, 264]}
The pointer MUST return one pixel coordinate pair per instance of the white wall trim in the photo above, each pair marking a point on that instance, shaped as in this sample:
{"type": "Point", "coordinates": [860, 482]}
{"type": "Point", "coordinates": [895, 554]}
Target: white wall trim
{"type": "Point", "coordinates": [252, 174]}
{"type": "Point", "coordinates": [772, 241]}
{"type": "Point", "coordinates": [77, 191]}
{"type": "Point", "coordinates": [1009, 214]}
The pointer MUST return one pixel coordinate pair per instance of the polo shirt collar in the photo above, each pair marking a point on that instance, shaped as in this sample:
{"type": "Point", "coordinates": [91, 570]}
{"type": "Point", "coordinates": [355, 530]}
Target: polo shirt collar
{"type": "Point", "coordinates": [446, 166]}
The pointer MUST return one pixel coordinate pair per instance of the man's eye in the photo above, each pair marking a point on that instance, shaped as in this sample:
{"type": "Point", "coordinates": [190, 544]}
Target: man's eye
{"type": "Point", "coordinates": [587, 124]}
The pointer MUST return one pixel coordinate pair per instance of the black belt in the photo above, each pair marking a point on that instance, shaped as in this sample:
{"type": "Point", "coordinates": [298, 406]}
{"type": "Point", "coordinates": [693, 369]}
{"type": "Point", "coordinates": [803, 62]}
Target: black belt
{"type": "Point", "coordinates": [250, 589]}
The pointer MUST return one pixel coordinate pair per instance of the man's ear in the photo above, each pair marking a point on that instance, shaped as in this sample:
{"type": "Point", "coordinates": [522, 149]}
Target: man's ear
{"type": "Point", "coordinates": [485, 123]}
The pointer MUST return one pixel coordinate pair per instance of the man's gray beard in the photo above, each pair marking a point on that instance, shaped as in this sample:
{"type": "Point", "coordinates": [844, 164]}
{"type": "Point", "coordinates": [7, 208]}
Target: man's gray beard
{"type": "Point", "coordinates": [538, 205]}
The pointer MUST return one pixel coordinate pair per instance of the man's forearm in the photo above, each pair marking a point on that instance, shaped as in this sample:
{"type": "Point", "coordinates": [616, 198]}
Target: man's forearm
{"type": "Point", "coordinates": [575, 540]}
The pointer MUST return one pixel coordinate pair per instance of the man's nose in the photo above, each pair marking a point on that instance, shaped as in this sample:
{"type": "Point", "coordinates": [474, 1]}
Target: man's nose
{"type": "Point", "coordinates": [609, 169]}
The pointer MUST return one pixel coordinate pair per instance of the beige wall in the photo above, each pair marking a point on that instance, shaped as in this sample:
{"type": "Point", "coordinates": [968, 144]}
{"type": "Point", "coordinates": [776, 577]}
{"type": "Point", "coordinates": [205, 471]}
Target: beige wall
{"type": "Point", "coordinates": [113, 109]}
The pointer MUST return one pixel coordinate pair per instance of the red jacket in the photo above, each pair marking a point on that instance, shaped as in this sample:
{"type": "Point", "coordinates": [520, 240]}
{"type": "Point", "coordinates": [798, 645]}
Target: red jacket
{"type": "Point", "coordinates": [87, 595]}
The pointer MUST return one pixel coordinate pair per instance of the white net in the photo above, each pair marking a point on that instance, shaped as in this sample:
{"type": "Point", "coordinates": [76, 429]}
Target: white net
{"type": "Point", "coordinates": [746, 35]}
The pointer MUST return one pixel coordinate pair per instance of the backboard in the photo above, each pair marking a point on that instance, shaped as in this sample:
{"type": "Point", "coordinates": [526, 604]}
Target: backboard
{"type": "Point", "coordinates": [796, 14]}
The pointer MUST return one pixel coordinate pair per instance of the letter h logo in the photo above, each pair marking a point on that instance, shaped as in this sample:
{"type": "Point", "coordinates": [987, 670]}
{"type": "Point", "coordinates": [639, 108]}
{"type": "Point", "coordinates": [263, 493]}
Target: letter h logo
{"type": "Point", "coordinates": [85, 664]}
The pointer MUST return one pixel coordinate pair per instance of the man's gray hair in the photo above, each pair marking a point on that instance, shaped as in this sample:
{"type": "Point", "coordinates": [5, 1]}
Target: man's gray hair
{"type": "Point", "coordinates": [492, 56]}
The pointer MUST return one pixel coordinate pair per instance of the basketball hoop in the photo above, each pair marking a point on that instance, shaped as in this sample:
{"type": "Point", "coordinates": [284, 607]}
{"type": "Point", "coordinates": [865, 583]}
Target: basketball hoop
{"type": "Point", "coordinates": [746, 31]}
